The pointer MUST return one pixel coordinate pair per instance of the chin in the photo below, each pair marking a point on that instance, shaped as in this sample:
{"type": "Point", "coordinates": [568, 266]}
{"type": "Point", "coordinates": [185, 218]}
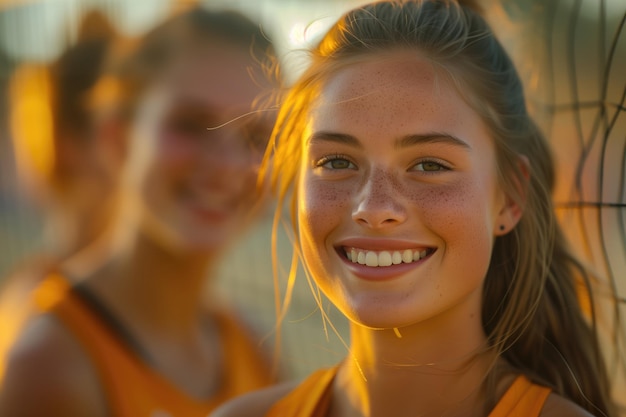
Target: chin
{"type": "Point", "coordinates": [204, 247]}
{"type": "Point", "coordinates": [191, 243]}
{"type": "Point", "coordinates": [384, 317]}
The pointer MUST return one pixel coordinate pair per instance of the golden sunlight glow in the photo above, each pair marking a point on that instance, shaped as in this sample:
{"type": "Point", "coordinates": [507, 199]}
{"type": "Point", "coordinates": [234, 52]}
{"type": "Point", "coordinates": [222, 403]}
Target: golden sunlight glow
{"type": "Point", "coordinates": [303, 35]}
{"type": "Point", "coordinates": [13, 313]}
{"type": "Point", "coordinates": [31, 121]}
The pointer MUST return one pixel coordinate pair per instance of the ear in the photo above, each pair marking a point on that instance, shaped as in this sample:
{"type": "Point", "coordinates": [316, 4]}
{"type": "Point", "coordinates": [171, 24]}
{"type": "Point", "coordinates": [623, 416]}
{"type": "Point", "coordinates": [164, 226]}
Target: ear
{"type": "Point", "coordinates": [513, 206]}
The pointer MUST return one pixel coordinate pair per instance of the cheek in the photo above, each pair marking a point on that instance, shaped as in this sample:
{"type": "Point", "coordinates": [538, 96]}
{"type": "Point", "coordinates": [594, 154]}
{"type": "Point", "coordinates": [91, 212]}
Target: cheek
{"type": "Point", "coordinates": [174, 151]}
{"type": "Point", "coordinates": [249, 193]}
{"type": "Point", "coordinates": [323, 204]}
{"type": "Point", "coordinates": [463, 208]}
{"type": "Point", "coordinates": [462, 215]}
{"type": "Point", "coordinates": [159, 165]}
{"type": "Point", "coordinates": [322, 207]}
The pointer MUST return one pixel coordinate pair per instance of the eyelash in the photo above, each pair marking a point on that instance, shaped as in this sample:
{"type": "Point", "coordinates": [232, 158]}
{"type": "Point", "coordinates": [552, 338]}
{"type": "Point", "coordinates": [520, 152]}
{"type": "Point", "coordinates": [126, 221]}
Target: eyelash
{"type": "Point", "coordinates": [331, 158]}
{"type": "Point", "coordinates": [441, 165]}
{"type": "Point", "coordinates": [339, 157]}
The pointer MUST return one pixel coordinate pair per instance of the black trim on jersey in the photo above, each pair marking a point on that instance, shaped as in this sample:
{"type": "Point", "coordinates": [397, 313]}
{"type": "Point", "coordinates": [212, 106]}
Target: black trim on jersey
{"type": "Point", "coordinates": [110, 320]}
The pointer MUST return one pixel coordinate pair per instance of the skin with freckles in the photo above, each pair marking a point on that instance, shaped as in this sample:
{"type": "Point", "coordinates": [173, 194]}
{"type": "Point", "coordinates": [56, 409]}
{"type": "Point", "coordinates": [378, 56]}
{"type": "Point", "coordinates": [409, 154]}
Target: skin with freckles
{"type": "Point", "coordinates": [419, 191]}
{"type": "Point", "coordinates": [396, 160]}
{"type": "Point", "coordinates": [365, 185]}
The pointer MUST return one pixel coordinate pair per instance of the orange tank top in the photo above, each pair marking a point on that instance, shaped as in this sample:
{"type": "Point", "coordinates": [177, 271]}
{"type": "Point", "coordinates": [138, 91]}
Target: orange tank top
{"type": "Point", "coordinates": [312, 398]}
{"type": "Point", "coordinates": [132, 388]}
{"type": "Point", "coordinates": [15, 306]}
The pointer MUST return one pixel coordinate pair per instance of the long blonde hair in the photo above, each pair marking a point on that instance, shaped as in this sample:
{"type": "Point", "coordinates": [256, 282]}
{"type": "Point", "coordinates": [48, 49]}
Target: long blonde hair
{"type": "Point", "coordinates": [531, 311]}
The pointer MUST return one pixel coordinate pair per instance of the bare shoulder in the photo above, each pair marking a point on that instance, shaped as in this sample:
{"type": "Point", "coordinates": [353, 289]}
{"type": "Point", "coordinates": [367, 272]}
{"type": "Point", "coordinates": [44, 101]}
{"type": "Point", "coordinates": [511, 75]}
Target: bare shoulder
{"type": "Point", "coordinates": [48, 364]}
{"type": "Point", "coordinates": [557, 406]}
{"type": "Point", "coordinates": [256, 403]}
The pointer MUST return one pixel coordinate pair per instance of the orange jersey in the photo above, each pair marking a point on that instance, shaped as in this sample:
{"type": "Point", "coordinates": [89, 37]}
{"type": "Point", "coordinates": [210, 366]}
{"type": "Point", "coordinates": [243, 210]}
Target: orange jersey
{"type": "Point", "coordinates": [15, 305]}
{"type": "Point", "coordinates": [312, 398]}
{"type": "Point", "coordinates": [131, 387]}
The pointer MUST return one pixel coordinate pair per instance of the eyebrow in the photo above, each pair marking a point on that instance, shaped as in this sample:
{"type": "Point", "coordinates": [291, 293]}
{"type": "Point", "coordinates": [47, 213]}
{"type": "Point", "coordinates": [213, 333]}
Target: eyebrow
{"type": "Point", "coordinates": [434, 137]}
{"type": "Point", "coordinates": [403, 142]}
{"type": "Point", "coordinates": [324, 136]}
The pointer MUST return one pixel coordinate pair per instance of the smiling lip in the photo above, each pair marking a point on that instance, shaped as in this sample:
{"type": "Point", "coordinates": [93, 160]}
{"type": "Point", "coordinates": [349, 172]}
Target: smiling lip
{"type": "Point", "coordinates": [208, 205]}
{"type": "Point", "coordinates": [211, 216]}
{"type": "Point", "coordinates": [381, 260]}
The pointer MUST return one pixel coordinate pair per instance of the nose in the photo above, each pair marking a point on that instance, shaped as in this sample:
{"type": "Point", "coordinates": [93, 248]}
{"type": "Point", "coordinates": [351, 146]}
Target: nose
{"type": "Point", "coordinates": [226, 148]}
{"type": "Point", "coordinates": [379, 204]}
{"type": "Point", "coordinates": [225, 165]}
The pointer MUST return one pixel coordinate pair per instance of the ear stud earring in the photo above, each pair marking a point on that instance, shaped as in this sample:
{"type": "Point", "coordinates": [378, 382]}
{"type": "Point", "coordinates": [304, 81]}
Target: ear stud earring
{"type": "Point", "coordinates": [501, 227]}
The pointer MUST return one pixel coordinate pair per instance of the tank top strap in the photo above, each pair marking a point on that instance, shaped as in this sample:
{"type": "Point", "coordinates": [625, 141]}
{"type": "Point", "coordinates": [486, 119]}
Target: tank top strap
{"type": "Point", "coordinates": [132, 388]}
{"type": "Point", "coordinates": [309, 399]}
{"type": "Point", "coordinates": [523, 398]}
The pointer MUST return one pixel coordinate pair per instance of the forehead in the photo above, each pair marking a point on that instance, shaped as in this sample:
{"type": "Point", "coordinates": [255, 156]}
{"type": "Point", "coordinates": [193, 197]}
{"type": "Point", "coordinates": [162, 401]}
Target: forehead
{"type": "Point", "coordinates": [381, 70]}
{"type": "Point", "coordinates": [218, 74]}
{"type": "Point", "coordinates": [389, 90]}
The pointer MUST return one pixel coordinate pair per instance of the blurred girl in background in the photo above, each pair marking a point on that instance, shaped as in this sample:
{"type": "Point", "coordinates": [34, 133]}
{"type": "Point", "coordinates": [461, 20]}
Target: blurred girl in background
{"type": "Point", "coordinates": [59, 162]}
{"type": "Point", "coordinates": [127, 328]}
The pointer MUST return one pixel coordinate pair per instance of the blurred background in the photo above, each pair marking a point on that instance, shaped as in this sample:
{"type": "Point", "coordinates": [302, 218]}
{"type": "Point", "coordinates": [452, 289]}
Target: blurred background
{"type": "Point", "coordinates": [570, 53]}
{"type": "Point", "coordinates": [38, 31]}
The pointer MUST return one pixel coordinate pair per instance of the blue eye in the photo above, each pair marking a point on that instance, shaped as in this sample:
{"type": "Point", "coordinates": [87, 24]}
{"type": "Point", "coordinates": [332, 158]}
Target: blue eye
{"type": "Point", "coordinates": [430, 166]}
{"type": "Point", "coordinates": [335, 162]}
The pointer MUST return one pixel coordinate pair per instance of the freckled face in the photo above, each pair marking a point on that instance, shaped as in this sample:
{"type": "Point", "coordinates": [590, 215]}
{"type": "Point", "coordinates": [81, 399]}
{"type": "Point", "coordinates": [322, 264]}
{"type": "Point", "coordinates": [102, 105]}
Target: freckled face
{"type": "Point", "coordinates": [398, 197]}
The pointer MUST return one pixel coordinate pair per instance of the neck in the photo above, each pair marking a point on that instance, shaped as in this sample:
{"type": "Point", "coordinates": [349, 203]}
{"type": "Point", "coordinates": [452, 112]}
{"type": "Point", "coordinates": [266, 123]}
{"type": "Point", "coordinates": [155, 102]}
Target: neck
{"type": "Point", "coordinates": [159, 289]}
{"type": "Point", "coordinates": [157, 293]}
{"type": "Point", "coordinates": [444, 369]}
{"type": "Point", "coordinates": [70, 228]}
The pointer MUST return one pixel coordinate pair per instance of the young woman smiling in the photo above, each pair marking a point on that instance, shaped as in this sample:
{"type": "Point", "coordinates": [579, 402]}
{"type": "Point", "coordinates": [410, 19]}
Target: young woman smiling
{"type": "Point", "coordinates": [420, 196]}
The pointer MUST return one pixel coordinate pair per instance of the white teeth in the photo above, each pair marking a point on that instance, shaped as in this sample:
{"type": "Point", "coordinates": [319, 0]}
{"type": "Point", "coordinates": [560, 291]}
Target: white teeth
{"type": "Point", "coordinates": [371, 259]}
{"type": "Point", "coordinates": [396, 257]}
{"type": "Point", "coordinates": [361, 258]}
{"type": "Point", "coordinates": [384, 258]}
